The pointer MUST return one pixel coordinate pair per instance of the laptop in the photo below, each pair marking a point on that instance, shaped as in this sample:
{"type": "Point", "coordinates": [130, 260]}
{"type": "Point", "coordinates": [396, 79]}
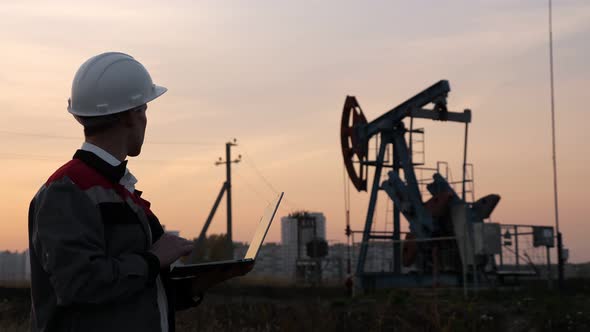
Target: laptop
{"type": "Point", "coordinates": [192, 270]}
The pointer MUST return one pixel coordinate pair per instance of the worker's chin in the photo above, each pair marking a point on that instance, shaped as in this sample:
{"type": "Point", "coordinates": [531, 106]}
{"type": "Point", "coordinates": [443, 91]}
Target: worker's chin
{"type": "Point", "coordinates": [134, 153]}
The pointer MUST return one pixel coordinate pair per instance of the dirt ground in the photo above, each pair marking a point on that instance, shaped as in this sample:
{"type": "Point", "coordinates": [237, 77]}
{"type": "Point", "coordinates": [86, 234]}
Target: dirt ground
{"type": "Point", "coordinates": [264, 308]}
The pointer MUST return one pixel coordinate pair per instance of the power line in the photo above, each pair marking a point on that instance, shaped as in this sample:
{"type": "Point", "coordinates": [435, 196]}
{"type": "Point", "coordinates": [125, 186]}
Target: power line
{"type": "Point", "coordinates": [35, 157]}
{"type": "Point", "coordinates": [42, 135]}
{"type": "Point", "coordinates": [6, 132]}
{"type": "Point", "coordinates": [18, 156]}
{"type": "Point", "coordinates": [250, 164]}
{"type": "Point", "coordinates": [252, 188]}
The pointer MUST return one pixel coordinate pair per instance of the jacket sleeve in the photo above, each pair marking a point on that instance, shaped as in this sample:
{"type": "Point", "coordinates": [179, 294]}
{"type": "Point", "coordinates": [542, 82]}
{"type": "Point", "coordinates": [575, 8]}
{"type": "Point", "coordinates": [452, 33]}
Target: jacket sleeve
{"type": "Point", "coordinates": [68, 238]}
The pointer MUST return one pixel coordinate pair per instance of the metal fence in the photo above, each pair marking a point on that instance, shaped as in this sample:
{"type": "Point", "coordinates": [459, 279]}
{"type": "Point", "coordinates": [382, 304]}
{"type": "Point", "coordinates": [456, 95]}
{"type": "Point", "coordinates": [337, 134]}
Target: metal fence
{"type": "Point", "coordinates": [442, 251]}
{"type": "Point", "coordinates": [520, 254]}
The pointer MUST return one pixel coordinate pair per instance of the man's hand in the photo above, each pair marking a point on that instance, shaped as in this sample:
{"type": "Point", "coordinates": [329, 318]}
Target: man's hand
{"type": "Point", "coordinates": [207, 279]}
{"type": "Point", "coordinates": [169, 248]}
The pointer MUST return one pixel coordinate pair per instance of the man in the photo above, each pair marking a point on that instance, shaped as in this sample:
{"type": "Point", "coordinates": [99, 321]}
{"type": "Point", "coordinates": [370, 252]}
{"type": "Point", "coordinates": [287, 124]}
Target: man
{"type": "Point", "coordinates": [100, 259]}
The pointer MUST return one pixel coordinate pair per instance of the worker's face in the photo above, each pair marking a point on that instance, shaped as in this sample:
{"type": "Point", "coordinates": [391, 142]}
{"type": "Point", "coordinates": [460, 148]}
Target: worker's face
{"type": "Point", "coordinates": [137, 131]}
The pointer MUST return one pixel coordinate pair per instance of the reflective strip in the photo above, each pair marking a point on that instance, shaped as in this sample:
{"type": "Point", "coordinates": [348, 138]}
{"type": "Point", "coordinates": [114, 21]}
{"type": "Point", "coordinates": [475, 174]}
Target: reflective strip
{"type": "Point", "coordinates": [162, 305]}
{"type": "Point", "coordinates": [100, 194]}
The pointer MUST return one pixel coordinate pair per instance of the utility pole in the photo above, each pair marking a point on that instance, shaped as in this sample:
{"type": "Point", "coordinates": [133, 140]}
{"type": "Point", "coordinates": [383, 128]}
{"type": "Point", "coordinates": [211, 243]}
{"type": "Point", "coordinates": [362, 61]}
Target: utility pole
{"type": "Point", "coordinates": [228, 163]}
{"type": "Point", "coordinates": [560, 261]}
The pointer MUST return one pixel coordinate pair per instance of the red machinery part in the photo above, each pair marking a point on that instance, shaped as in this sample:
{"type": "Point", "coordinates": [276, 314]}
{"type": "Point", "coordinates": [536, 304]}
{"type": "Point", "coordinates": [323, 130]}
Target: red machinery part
{"type": "Point", "coordinates": [409, 250]}
{"type": "Point", "coordinates": [438, 205]}
{"type": "Point", "coordinates": [352, 117]}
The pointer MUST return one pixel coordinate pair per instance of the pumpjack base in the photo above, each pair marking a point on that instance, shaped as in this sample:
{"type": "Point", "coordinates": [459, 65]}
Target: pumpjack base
{"type": "Point", "coordinates": [372, 281]}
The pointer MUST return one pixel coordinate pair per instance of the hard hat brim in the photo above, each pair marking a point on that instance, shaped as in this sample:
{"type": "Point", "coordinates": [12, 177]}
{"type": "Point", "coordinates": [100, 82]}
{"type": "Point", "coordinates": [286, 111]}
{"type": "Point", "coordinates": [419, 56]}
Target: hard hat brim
{"type": "Point", "coordinates": [158, 91]}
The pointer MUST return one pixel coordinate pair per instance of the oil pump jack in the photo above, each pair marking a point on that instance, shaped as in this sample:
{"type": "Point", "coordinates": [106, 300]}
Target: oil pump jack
{"type": "Point", "coordinates": [445, 215]}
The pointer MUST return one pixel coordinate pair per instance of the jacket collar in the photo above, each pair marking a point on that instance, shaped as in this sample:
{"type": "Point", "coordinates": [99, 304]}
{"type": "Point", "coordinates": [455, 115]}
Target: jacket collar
{"type": "Point", "coordinates": [113, 173]}
{"type": "Point", "coordinates": [100, 152]}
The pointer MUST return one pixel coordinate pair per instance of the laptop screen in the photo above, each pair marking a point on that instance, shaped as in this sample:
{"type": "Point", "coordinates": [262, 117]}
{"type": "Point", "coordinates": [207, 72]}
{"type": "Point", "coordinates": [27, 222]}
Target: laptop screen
{"type": "Point", "coordinates": [263, 226]}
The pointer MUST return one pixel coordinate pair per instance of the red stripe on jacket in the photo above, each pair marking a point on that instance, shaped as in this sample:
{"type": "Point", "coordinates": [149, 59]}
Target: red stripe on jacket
{"type": "Point", "coordinates": [86, 177]}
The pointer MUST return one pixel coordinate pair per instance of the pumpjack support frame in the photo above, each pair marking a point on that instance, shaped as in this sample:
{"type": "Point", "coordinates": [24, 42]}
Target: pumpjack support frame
{"type": "Point", "coordinates": [355, 134]}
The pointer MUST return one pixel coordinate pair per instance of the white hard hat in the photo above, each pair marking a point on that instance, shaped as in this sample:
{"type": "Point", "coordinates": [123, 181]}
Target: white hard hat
{"type": "Point", "coordinates": [111, 83]}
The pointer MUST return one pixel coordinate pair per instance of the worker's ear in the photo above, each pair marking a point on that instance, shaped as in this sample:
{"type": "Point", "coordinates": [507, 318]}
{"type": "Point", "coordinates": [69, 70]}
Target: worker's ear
{"type": "Point", "coordinates": [128, 119]}
{"type": "Point", "coordinates": [134, 117]}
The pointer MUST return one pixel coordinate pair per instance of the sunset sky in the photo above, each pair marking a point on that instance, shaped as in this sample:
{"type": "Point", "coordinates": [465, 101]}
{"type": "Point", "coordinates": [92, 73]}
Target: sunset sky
{"type": "Point", "coordinates": [274, 75]}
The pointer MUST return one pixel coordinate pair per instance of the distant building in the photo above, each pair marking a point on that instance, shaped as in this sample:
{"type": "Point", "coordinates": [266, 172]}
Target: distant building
{"type": "Point", "coordinates": [297, 230]}
{"type": "Point", "coordinates": [177, 233]}
{"type": "Point", "coordinates": [27, 255]}
{"type": "Point", "coordinates": [268, 262]}
{"type": "Point", "coordinates": [172, 232]}
{"type": "Point", "coordinates": [15, 266]}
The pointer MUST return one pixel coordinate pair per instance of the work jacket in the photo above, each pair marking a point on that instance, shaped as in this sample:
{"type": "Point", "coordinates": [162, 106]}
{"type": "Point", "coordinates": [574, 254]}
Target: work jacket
{"type": "Point", "coordinates": [90, 267]}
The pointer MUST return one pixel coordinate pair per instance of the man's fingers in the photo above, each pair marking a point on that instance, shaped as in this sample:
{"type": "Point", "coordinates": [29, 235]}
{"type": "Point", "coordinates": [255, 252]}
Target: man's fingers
{"type": "Point", "coordinates": [184, 240]}
{"type": "Point", "coordinates": [187, 248]}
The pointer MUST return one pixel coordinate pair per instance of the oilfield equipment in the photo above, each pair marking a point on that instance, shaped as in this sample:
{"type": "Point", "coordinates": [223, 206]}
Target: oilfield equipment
{"type": "Point", "coordinates": [448, 242]}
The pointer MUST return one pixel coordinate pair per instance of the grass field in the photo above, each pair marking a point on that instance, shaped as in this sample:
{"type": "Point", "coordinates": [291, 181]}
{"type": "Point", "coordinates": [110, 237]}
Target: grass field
{"type": "Point", "coordinates": [234, 307]}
